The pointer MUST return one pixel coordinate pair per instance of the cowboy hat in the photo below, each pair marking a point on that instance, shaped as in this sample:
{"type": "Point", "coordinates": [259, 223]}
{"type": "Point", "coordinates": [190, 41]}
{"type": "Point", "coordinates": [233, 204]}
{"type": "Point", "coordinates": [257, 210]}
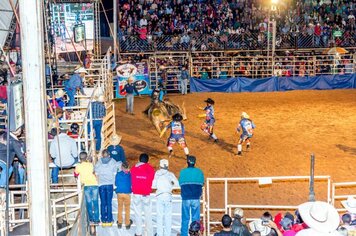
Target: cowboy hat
{"type": "Point", "coordinates": [350, 204]}
{"type": "Point", "coordinates": [81, 70]}
{"type": "Point", "coordinates": [177, 117]}
{"type": "Point", "coordinates": [319, 216]}
{"type": "Point", "coordinates": [163, 164]}
{"type": "Point", "coordinates": [131, 79]}
{"type": "Point", "coordinates": [100, 98]}
{"type": "Point", "coordinates": [60, 93]}
{"type": "Point", "coordinates": [116, 139]}
{"type": "Point", "coordinates": [257, 226]}
{"type": "Point", "coordinates": [238, 212]}
{"type": "Point", "coordinates": [312, 232]}
{"type": "Point", "coordinates": [245, 115]}
{"type": "Point", "coordinates": [210, 101]}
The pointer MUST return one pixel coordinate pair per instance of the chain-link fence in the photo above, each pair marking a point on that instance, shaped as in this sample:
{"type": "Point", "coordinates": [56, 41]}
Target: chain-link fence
{"type": "Point", "coordinates": [243, 41]}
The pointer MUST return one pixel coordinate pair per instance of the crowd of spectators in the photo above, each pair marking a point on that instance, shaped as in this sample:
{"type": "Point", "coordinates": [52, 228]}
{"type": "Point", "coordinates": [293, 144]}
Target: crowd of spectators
{"type": "Point", "coordinates": [235, 24]}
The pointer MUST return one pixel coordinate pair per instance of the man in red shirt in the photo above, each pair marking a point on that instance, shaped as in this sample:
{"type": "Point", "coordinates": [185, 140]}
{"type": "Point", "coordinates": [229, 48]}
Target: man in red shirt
{"type": "Point", "coordinates": [142, 175]}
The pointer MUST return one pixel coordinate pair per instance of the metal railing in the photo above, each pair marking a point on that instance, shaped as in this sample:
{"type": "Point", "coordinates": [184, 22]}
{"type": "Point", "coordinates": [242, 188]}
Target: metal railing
{"type": "Point", "coordinates": [226, 41]}
{"type": "Point", "coordinates": [350, 186]}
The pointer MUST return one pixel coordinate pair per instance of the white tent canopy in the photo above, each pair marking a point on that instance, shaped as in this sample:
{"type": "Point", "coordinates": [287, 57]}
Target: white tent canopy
{"type": "Point", "coordinates": [6, 15]}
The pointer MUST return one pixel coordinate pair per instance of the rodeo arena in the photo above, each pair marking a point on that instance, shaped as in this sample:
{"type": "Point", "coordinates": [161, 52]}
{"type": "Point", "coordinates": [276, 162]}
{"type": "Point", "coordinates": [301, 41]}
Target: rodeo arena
{"type": "Point", "coordinates": [178, 117]}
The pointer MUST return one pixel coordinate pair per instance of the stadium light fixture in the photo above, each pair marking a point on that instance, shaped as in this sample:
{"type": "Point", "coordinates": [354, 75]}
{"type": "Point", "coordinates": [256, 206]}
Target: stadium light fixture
{"type": "Point", "coordinates": [274, 1]}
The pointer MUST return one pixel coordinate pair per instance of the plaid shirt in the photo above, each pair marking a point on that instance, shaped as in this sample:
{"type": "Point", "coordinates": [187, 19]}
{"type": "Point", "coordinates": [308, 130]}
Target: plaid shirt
{"type": "Point", "coordinates": [98, 109]}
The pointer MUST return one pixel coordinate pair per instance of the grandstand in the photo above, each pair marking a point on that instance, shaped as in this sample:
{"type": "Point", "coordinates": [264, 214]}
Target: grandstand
{"type": "Point", "coordinates": [240, 53]}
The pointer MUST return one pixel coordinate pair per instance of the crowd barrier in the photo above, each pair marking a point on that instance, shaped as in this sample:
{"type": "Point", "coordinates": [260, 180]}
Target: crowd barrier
{"type": "Point", "coordinates": [274, 84]}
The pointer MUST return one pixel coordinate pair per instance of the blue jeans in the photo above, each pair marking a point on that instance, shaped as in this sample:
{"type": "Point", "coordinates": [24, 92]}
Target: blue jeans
{"type": "Point", "coordinates": [71, 93]}
{"type": "Point", "coordinates": [129, 103]}
{"type": "Point", "coordinates": [184, 84]}
{"type": "Point", "coordinates": [91, 194]}
{"type": "Point", "coordinates": [106, 193]}
{"type": "Point", "coordinates": [3, 173]}
{"type": "Point", "coordinates": [97, 125]}
{"type": "Point", "coordinates": [19, 173]}
{"type": "Point", "coordinates": [190, 210]}
{"type": "Point", "coordinates": [55, 171]}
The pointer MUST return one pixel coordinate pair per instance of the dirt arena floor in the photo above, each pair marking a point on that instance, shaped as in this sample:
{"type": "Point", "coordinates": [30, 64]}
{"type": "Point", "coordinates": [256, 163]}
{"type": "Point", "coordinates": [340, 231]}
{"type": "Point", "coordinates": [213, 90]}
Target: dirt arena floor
{"type": "Point", "coordinates": [289, 127]}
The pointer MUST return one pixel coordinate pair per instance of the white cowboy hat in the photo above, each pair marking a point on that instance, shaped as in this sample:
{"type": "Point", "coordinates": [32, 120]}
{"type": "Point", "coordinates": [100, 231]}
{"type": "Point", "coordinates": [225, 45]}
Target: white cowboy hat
{"type": "Point", "coordinates": [116, 139]}
{"type": "Point", "coordinates": [245, 115]}
{"type": "Point", "coordinates": [60, 93]}
{"type": "Point", "coordinates": [81, 70]}
{"type": "Point", "coordinates": [164, 163]}
{"type": "Point", "coordinates": [319, 216]}
{"type": "Point", "coordinates": [101, 98]}
{"type": "Point", "coordinates": [350, 204]}
{"type": "Point", "coordinates": [239, 212]}
{"type": "Point", "coordinates": [257, 226]}
{"type": "Point", "coordinates": [312, 232]}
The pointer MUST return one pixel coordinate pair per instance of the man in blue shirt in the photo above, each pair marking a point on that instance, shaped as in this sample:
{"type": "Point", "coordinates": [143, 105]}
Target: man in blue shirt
{"type": "Point", "coordinates": [98, 113]}
{"type": "Point", "coordinates": [74, 84]}
{"type": "Point", "coordinates": [208, 125]}
{"type": "Point", "coordinates": [177, 134]}
{"type": "Point", "coordinates": [115, 150]}
{"type": "Point", "coordinates": [191, 181]}
{"type": "Point", "coordinates": [246, 126]}
{"type": "Point", "coordinates": [184, 77]}
{"type": "Point", "coordinates": [130, 89]}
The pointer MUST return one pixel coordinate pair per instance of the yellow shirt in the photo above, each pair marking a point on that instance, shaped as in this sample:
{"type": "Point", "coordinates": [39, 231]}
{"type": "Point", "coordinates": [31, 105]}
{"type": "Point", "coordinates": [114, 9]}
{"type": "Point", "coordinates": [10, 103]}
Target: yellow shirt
{"type": "Point", "coordinates": [85, 170]}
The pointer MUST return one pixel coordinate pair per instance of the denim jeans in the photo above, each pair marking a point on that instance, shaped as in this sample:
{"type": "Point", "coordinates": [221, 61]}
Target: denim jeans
{"type": "Point", "coordinates": [3, 173]}
{"type": "Point", "coordinates": [97, 125]}
{"type": "Point", "coordinates": [164, 214]}
{"type": "Point", "coordinates": [183, 85]}
{"type": "Point", "coordinates": [129, 103]}
{"type": "Point", "coordinates": [91, 194]}
{"type": "Point", "coordinates": [141, 204]}
{"type": "Point", "coordinates": [19, 173]}
{"type": "Point", "coordinates": [106, 194]}
{"type": "Point", "coordinates": [190, 211]}
{"type": "Point", "coordinates": [71, 93]}
{"type": "Point", "coordinates": [55, 171]}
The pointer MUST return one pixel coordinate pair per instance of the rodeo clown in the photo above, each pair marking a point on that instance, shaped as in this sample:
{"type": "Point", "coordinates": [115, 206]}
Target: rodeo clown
{"type": "Point", "coordinates": [247, 126]}
{"type": "Point", "coordinates": [177, 134]}
{"type": "Point", "coordinates": [208, 125]}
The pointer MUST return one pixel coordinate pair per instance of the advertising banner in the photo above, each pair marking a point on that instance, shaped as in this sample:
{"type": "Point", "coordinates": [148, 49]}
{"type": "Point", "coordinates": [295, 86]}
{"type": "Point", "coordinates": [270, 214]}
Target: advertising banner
{"type": "Point", "coordinates": [139, 72]}
{"type": "Point", "coordinates": [17, 118]}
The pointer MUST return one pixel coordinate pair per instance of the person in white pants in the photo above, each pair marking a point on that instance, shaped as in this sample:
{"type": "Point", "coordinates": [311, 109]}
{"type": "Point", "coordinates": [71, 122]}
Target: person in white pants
{"type": "Point", "coordinates": [140, 202]}
{"type": "Point", "coordinates": [164, 181]}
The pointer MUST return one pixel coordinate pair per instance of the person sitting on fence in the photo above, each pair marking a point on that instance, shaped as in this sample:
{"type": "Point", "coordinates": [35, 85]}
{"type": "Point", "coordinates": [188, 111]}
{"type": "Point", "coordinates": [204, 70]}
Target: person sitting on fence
{"type": "Point", "coordinates": [85, 171]}
{"type": "Point", "coordinates": [75, 84]}
{"type": "Point", "coordinates": [237, 226]}
{"type": "Point", "coordinates": [63, 150]}
{"type": "Point", "coordinates": [105, 170]}
{"type": "Point", "coordinates": [116, 151]}
{"type": "Point", "coordinates": [98, 111]}
{"type": "Point", "coordinates": [15, 149]}
{"type": "Point", "coordinates": [191, 181]}
{"type": "Point", "coordinates": [164, 181]}
{"type": "Point", "coordinates": [123, 191]}
{"type": "Point", "coordinates": [226, 223]}
{"type": "Point", "coordinates": [142, 175]}
{"type": "Point", "coordinates": [247, 126]}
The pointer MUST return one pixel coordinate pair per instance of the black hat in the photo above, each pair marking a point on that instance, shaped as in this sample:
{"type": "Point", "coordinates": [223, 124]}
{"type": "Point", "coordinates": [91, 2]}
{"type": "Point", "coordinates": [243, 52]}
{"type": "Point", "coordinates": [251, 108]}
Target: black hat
{"type": "Point", "coordinates": [210, 101]}
{"type": "Point", "coordinates": [191, 160]}
{"type": "Point", "coordinates": [177, 117]}
{"type": "Point", "coordinates": [194, 226]}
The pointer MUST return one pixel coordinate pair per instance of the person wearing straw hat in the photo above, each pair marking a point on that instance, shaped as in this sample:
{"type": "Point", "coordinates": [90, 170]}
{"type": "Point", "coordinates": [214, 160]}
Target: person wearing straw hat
{"type": "Point", "coordinates": [237, 226]}
{"type": "Point", "coordinates": [247, 126]}
{"type": "Point", "coordinates": [98, 111]}
{"type": "Point", "coordinates": [60, 98]}
{"type": "Point", "coordinates": [74, 84]}
{"type": "Point", "coordinates": [177, 134]}
{"type": "Point", "coordinates": [115, 150]}
{"type": "Point", "coordinates": [164, 181]}
{"type": "Point", "coordinates": [321, 217]}
{"type": "Point", "coordinates": [130, 89]}
{"type": "Point", "coordinates": [208, 125]}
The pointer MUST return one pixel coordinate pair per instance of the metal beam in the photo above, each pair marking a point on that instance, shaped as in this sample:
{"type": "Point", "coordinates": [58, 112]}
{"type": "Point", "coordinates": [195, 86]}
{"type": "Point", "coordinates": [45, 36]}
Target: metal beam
{"type": "Point", "coordinates": [32, 47]}
{"type": "Point", "coordinates": [115, 2]}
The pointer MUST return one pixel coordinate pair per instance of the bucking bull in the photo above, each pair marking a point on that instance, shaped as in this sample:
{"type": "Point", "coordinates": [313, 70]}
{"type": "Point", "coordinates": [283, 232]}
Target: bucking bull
{"type": "Point", "coordinates": [161, 113]}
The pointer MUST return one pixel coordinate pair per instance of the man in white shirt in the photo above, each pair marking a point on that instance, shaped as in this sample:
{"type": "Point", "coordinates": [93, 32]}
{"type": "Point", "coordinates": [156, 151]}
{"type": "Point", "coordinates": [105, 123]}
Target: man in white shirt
{"type": "Point", "coordinates": [143, 22]}
{"type": "Point", "coordinates": [63, 151]}
{"type": "Point", "coordinates": [164, 181]}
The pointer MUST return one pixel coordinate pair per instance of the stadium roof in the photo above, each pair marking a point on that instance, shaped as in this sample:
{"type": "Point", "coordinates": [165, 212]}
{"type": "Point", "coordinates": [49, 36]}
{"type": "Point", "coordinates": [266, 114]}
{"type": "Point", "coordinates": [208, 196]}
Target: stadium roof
{"type": "Point", "coordinates": [6, 15]}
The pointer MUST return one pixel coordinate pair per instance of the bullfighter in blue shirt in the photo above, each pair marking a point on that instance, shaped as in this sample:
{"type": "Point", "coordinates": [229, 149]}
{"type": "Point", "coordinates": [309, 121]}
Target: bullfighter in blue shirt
{"type": "Point", "coordinates": [247, 126]}
{"type": "Point", "coordinates": [208, 125]}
